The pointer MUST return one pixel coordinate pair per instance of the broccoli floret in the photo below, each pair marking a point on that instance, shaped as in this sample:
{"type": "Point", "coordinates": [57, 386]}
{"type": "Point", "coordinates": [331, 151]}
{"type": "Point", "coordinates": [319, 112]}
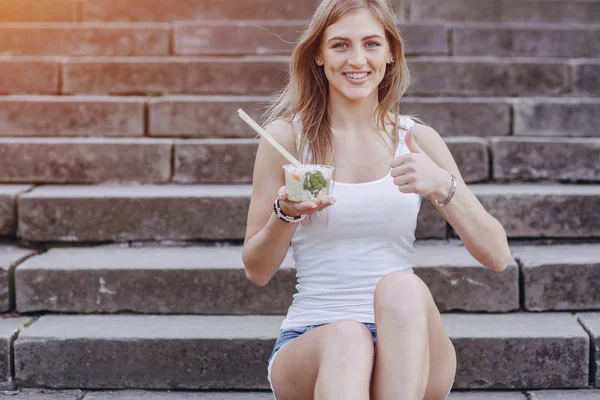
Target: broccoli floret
{"type": "Point", "coordinates": [314, 182]}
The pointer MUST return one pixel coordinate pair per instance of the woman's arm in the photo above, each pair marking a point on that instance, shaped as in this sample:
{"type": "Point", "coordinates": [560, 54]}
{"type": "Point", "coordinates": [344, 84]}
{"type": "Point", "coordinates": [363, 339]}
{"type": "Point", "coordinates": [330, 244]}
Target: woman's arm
{"type": "Point", "coordinates": [482, 234]}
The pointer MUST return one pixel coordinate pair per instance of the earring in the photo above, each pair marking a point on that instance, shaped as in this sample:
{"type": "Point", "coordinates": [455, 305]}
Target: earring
{"type": "Point", "coordinates": [391, 60]}
{"type": "Point", "coordinates": [319, 62]}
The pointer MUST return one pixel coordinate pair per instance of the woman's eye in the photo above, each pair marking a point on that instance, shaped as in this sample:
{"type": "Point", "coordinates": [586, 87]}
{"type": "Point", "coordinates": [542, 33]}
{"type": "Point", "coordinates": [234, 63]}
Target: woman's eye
{"type": "Point", "coordinates": [339, 45]}
{"type": "Point", "coordinates": [373, 44]}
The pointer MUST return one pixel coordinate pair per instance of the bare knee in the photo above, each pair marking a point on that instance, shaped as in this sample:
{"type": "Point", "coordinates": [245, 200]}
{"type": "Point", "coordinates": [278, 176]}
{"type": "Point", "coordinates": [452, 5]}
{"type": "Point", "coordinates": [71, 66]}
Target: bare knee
{"type": "Point", "coordinates": [402, 293]}
{"type": "Point", "coordinates": [347, 338]}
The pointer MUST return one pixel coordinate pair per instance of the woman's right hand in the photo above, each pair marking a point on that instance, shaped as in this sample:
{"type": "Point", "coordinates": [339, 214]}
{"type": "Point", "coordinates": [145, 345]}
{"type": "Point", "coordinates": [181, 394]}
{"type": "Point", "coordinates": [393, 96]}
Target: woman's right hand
{"type": "Point", "coordinates": [294, 209]}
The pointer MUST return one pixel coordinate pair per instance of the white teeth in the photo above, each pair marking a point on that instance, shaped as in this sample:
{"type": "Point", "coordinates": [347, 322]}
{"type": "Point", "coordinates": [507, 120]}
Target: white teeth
{"type": "Point", "coordinates": [357, 76]}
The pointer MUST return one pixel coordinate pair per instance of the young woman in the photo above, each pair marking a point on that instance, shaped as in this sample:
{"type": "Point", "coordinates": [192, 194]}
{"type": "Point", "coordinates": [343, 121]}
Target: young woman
{"type": "Point", "coordinates": [356, 287]}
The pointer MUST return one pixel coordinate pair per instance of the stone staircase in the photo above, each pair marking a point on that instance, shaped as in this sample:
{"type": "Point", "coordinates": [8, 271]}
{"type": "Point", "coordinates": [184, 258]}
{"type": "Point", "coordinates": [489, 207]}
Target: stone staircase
{"type": "Point", "coordinates": [125, 179]}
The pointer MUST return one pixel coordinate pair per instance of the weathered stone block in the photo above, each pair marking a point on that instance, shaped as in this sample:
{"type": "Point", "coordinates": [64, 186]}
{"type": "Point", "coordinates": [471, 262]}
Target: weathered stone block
{"type": "Point", "coordinates": [161, 10]}
{"type": "Point", "coordinates": [530, 211]}
{"type": "Point", "coordinates": [586, 78]}
{"type": "Point", "coordinates": [533, 41]}
{"type": "Point", "coordinates": [38, 10]}
{"type": "Point", "coordinates": [9, 329]}
{"type": "Point", "coordinates": [459, 282]}
{"type": "Point", "coordinates": [84, 40]}
{"type": "Point", "coordinates": [547, 11]}
{"type": "Point", "coordinates": [557, 159]}
{"type": "Point", "coordinates": [519, 350]}
{"type": "Point", "coordinates": [261, 75]}
{"type": "Point", "coordinates": [73, 213]}
{"type": "Point", "coordinates": [89, 160]}
{"type": "Point", "coordinates": [215, 160]}
{"type": "Point", "coordinates": [441, 76]}
{"type": "Point", "coordinates": [10, 257]}
{"type": "Point", "coordinates": [591, 322]}
{"type": "Point", "coordinates": [187, 395]}
{"type": "Point", "coordinates": [471, 156]}
{"type": "Point", "coordinates": [28, 75]}
{"type": "Point", "coordinates": [71, 116]}
{"type": "Point", "coordinates": [203, 116]}
{"type": "Point", "coordinates": [149, 352]}
{"type": "Point", "coordinates": [430, 223]}
{"type": "Point", "coordinates": [8, 207]}
{"type": "Point", "coordinates": [461, 116]}
{"type": "Point", "coordinates": [589, 394]}
{"type": "Point", "coordinates": [487, 395]}
{"type": "Point", "coordinates": [155, 280]}
{"type": "Point", "coordinates": [557, 117]}
{"type": "Point", "coordinates": [560, 277]}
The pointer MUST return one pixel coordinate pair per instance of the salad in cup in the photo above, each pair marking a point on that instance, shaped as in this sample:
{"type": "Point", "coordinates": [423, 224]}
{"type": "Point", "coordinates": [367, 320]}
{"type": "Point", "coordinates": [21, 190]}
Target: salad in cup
{"type": "Point", "coordinates": [308, 182]}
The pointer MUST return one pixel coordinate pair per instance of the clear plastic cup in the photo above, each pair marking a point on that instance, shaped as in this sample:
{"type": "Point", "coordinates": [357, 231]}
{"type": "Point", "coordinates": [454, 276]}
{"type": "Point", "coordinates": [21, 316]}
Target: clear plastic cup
{"type": "Point", "coordinates": [309, 182]}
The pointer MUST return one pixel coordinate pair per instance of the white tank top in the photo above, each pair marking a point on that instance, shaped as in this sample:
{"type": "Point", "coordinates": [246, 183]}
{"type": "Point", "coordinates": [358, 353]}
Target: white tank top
{"type": "Point", "coordinates": [370, 232]}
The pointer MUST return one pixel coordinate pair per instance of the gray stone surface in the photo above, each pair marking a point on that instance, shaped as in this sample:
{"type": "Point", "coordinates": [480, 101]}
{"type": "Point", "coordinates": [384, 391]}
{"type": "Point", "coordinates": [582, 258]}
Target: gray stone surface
{"type": "Point", "coordinates": [43, 394]}
{"type": "Point", "coordinates": [584, 394]}
{"type": "Point", "coordinates": [156, 75]}
{"type": "Point", "coordinates": [545, 11]}
{"type": "Point", "coordinates": [9, 329]}
{"type": "Point", "coordinates": [220, 37]}
{"type": "Point", "coordinates": [203, 116]}
{"type": "Point", "coordinates": [38, 10]}
{"type": "Point", "coordinates": [516, 351]}
{"type": "Point", "coordinates": [591, 322]}
{"type": "Point", "coordinates": [74, 213]}
{"type": "Point", "coordinates": [75, 39]}
{"type": "Point", "coordinates": [459, 282]}
{"type": "Point", "coordinates": [474, 76]}
{"type": "Point", "coordinates": [487, 395]}
{"type": "Point", "coordinates": [10, 257]}
{"type": "Point", "coordinates": [146, 352]}
{"type": "Point", "coordinates": [158, 10]}
{"type": "Point", "coordinates": [471, 156]}
{"type": "Point", "coordinates": [586, 77]}
{"type": "Point", "coordinates": [154, 395]}
{"type": "Point", "coordinates": [85, 160]}
{"type": "Point", "coordinates": [557, 159]}
{"type": "Point", "coordinates": [525, 40]}
{"type": "Point", "coordinates": [214, 160]}
{"type": "Point", "coordinates": [557, 117]}
{"type": "Point", "coordinates": [543, 210]}
{"type": "Point", "coordinates": [71, 116]}
{"type": "Point", "coordinates": [8, 208]}
{"type": "Point", "coordinates": [560, 277]}
{"type": "Point", "coordinates": [211, 280]}
{"type": "Point", "coordinates": [452, 116]}
{"type": "Point", "coordinates": [162, 280]}
{"type": "Point", "coordinates": [29, 75]}
{"type": "Point", "coordinates": [430, 223]}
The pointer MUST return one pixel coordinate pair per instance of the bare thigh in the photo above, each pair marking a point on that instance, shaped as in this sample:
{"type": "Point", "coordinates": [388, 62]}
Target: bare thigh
{"type": "Point", "coordinates": [296, 365]}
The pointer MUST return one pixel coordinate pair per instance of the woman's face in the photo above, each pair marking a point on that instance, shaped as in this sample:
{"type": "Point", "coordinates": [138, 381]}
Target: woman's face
{"type": "Point", "coordinates": [354, 53]}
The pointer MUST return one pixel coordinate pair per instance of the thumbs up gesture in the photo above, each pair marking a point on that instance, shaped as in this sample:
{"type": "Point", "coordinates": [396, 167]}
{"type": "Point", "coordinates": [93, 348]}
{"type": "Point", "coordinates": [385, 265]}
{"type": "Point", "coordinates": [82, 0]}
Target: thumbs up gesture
{"type": "Point", "coordinates": [417, 173]}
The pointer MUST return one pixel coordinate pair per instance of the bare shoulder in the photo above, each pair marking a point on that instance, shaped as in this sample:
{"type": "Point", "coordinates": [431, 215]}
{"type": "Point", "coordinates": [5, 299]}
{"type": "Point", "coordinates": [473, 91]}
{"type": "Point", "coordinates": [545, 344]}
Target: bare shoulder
{"type": "Point", "coordinates": [283, 131]}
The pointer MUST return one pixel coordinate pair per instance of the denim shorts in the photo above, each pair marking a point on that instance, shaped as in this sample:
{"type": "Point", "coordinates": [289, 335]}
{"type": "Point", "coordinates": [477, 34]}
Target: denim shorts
{"type": "Point", "coordinates": [287, 335]}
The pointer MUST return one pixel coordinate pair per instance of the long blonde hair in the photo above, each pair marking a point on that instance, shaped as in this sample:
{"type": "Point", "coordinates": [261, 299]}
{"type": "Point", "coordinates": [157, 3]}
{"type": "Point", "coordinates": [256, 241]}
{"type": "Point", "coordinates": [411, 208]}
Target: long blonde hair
{"type": "Point", "coordinates": [307, 92]}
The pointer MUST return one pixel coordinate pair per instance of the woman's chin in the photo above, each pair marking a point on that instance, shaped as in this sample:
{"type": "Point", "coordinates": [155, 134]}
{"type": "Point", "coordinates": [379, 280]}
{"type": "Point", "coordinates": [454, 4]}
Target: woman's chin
{"type": "Point", "coordinates": [357, 94]}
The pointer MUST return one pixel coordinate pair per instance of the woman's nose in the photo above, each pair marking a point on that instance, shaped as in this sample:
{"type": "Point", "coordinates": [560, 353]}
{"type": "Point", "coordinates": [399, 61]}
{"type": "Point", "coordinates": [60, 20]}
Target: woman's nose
{"type": "Point", "coordinates": [357, 58]}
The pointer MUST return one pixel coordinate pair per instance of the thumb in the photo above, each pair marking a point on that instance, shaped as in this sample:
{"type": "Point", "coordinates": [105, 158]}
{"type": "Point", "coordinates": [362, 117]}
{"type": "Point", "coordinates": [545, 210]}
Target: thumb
{"type": "Point", "coordinates": [411, 142]}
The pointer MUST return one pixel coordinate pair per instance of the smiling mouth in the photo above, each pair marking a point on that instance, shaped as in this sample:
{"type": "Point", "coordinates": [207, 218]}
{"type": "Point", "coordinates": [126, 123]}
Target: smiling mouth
{"type": "Point", "coordinates": [357, 76]}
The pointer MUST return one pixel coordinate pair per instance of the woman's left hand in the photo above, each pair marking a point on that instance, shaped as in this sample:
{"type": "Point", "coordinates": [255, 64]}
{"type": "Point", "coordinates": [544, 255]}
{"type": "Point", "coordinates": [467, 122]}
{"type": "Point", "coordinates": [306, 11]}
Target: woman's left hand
{"type": "Point", "coordinates": [417, 173]}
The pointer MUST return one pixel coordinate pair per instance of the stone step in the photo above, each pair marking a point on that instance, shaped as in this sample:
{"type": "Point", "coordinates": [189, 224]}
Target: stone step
{"type": "Point", "coordinates": [530, 11]}
{"type": "Point", "coordinates": [216, 116]}
{"type": "Point", "coordinates": [10, 257]}
{"type": "Point", "coordinates": [8, 207]}
{"type": "Point", "coordinates": [501, 351]}
{"type": "Point", "coordinates": [264, 75]}
{"type": "Point", "coordinates": [75, 213]}
{"type": "Point", "coordinates": [9, 329]}
{"type": "Point", "coordinates": [87, 39]}
{"type": "Point", "coordinates": [558, 159]}
{"type": "Point", "coordinates": [39, 10]}
{"type": "Point", "coordinates": [143, 279]}
{"type": "Point", "coordinates": [99, 160]}
{"type": "Point", "coordinates": [461, 76]}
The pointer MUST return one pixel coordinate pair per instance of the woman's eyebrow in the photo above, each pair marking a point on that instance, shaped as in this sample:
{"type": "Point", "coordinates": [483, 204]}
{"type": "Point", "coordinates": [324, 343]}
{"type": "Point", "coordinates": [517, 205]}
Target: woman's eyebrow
{"type": "Point", "coordinates": [344, 38]}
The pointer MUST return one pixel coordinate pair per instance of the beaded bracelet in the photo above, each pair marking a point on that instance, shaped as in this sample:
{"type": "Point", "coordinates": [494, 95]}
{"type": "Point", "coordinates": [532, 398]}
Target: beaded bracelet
{"type": "Point", "coordinates": [282, 216]}
{"type": "Point", "coordinates": [450, 195]}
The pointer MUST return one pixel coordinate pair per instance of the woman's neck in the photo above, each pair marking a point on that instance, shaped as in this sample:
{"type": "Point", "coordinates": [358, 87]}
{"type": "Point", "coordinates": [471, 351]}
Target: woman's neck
{"type": "Point", "coordinates": [352, 115]}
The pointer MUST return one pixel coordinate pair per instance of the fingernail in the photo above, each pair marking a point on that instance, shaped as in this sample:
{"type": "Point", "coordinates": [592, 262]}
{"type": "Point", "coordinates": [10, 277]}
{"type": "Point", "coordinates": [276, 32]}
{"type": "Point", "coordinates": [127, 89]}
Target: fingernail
{"type": "Point", "coordinates": [314, 206]}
